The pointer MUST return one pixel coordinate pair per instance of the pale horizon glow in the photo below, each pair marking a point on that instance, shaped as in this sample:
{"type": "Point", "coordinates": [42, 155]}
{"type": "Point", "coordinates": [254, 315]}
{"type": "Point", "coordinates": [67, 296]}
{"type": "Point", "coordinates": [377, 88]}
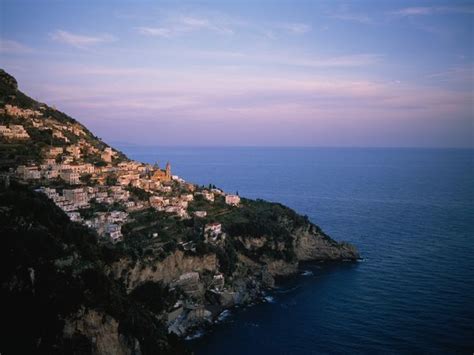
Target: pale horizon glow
{"type": "Point", "coordinates": [273, 73]}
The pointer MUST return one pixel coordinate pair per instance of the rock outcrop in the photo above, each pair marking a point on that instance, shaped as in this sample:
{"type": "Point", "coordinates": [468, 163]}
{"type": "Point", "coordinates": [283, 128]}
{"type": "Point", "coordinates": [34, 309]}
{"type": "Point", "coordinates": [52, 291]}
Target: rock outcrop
{"type": "Point", "coordinates": [316, 247]}
{"type": "Point", "coordinates": [102, 331]}
{"type": "Point", "coordinates": [281, 267]}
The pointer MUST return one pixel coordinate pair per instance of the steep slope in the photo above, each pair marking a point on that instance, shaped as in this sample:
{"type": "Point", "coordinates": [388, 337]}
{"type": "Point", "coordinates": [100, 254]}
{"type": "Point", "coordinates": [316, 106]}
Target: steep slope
{"type": "Point", "coordinates": [44, 125]}
{"type": "Point", "coordinates": [56, 297]}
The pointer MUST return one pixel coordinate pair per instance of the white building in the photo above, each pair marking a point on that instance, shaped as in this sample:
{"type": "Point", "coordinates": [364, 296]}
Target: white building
{"type": "Point", "coordinates": [232, 200]}
{"type": "Point", "coordinates": [200, 214]}
{"type": "Point", "coordinates": [213, 233]}
{"type": "Point", "coordinates": [74, 216]}
{"type": "Point", "coordinates": [70, 176]}
{"type": "Point", "coordinates": [28, 172]}
{"type": "Point", "coordinates": [213, 228]}
{"type": "Point", "coordinates": [54, 151]}
{"type": "Point", "coordinates": [114, 231]}
{"type": "Point", "coordinates": [209, 196]}
{"type": "Point", "coordinates": [77, 196]}
{"type": "Point", "coordinates": [50, 173]}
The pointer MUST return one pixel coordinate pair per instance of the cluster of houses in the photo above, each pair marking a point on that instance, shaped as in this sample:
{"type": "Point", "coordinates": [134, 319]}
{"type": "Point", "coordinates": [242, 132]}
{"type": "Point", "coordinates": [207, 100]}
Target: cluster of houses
{"type": "Point", "coordinates": [175, 204]}
{"type": "Point", "coordinates": [49, 169]}
{"type": "Point", "coordinates": [108, 182]}
{"type": "Point", "coordinates": [107, 223]}
{"type": "Point", "coordinates": [80, 197]}
{"type": "Point", "coordinates": [14, 131]}
{"type": "Point", "coordinates": [18, 112]}
{"type": "Point", "coordinates": [158, 183]}
{"type": "Point", "coordinates": [70, 199]}
{"type": "Point", "coordinates": [37, 120]}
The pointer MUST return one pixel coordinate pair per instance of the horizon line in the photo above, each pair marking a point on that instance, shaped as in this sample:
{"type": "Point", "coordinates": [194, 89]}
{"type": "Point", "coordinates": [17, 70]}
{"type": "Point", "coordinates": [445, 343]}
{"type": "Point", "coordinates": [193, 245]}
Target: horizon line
{"type": "Point", "coordinates": [286, 146]}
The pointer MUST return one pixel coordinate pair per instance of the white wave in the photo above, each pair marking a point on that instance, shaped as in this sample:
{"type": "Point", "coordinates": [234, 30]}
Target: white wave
{"type": "Point", "coordinates": [224, 315]}
{"type": "Point", "coordinates": [307, 273]}
{"type": "Point", "coordinates": [269, 299]}
{"type": "Point", "coordinates": [195, 335]}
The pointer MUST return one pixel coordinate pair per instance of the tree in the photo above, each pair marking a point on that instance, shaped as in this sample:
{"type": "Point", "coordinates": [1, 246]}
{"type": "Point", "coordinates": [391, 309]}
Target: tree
{"type": "Point", "coordinates": [111, 180]}
{"type": "Point", "coordinates": [86, 179]}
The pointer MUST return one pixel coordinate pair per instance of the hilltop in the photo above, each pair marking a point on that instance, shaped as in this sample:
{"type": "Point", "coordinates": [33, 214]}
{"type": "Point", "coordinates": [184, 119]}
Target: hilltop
{"type": "Point", "coordinates": [109, 255]}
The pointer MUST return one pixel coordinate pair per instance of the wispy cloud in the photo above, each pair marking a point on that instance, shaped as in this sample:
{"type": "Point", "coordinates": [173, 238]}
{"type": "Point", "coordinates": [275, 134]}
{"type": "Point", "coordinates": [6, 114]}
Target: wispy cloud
{"type": "Point", "coordinates": [222, 98]}
{"type": "Point", "coordinates": [197, 23]}
{"type": "Point", "coordinates": [199, 101]}
{"type": "Point", "coordinates": [179, 25]}
{"type": "Point", "coordinates": [433, 10]}
{"type": "Point", "coordinates": [156, 31]}
{"type": "Point", "coordinates": [80, 41]}
{"type": "Point", "coordinates": [457, 75]}
{"type": "Point", "coordinates": [345, 12]}
{"type": "Point", "coordinates": [354, 17]}
{"type": "Point", "coordinates": [13, 47]}
{"type": "Point", "coordinates": [296, 28]}
{"type": "Point", "coordinates": [354, 60]}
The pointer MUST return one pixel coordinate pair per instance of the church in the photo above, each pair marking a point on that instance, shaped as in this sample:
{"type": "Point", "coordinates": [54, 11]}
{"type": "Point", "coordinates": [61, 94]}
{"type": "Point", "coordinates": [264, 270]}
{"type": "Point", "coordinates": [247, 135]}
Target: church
{"type": "Point", "coordinates": [160, 175]}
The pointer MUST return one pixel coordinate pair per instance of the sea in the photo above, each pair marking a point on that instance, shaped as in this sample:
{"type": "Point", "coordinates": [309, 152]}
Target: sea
{"type": "Point", "coordinates": [410, 212]}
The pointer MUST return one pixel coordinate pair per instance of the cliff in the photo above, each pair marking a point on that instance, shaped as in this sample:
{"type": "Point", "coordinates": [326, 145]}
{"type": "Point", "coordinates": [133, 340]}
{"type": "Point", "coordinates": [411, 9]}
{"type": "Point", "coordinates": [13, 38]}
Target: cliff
{"type": "Point", "coordinates": [69, 288]}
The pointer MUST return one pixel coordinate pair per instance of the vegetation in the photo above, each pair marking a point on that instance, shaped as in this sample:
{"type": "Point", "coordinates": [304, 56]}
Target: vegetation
{"type": "Point", "coordinates": [138, 193]}
{"type": "Point", "coordinates": [111, 180]}
{"type": "Point", "coordinates": [52, 268]}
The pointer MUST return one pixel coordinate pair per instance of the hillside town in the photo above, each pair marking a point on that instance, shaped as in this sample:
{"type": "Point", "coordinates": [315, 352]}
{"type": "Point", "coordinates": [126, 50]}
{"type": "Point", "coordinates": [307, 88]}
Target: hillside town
{"type": "Point", "coordinates": [94, 184]}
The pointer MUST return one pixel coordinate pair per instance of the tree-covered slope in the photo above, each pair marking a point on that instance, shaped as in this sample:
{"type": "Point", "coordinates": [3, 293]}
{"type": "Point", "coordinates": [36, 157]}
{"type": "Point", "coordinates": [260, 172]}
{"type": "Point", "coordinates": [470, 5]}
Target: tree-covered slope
{"type": "Point", "coordinates": [53, 269]}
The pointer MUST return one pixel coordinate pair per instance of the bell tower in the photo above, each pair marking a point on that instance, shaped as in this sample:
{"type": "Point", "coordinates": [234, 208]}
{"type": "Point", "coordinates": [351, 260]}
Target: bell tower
{"type": "Point", "coordinates": [168, 171]}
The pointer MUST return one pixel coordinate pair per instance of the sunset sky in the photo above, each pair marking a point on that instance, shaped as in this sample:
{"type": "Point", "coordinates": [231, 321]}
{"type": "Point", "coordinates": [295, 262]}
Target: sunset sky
{"type": "Point", "coordinates": [248, 73]}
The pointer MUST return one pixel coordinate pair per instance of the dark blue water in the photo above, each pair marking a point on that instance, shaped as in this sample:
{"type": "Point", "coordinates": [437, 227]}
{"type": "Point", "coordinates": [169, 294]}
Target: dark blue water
{"type": "Point", "coordinates": [411, 214]}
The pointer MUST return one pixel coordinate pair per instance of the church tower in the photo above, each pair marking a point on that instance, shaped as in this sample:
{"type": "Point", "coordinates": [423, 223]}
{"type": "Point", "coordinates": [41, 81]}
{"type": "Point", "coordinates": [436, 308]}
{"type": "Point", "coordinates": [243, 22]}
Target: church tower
{"type": "Point", "coordinates": [168, 171]}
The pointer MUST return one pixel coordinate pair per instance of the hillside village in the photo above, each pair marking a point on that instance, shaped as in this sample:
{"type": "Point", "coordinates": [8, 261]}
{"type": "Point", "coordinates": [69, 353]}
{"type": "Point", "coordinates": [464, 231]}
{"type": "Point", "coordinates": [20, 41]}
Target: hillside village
{"type": "Point", "coordinates": [96, 186]}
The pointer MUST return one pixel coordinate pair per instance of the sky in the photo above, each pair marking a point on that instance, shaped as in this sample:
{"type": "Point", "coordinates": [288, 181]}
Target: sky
{"type": "Point", "coordinates": [250, 73]}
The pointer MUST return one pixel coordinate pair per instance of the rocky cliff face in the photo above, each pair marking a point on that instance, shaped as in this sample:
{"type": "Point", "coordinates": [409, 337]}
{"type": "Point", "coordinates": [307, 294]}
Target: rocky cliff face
{"type": "Point", "coordinates": [307, 244]}
{"type": "Point", "coordinates": [316, 247]}
{"type": "Point", "coordinates": [134, 273]}
{"type": "Point", "coordinates": [258, 264]}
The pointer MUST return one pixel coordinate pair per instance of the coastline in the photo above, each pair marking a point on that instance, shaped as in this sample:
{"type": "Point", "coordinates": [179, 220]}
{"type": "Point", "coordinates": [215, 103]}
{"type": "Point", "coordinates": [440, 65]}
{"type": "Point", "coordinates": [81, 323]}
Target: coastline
{"type": "Point", "coordinates": [283, 284]}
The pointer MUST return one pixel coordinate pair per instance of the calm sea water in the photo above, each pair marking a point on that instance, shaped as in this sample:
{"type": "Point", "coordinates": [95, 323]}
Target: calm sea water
{"type": "Point", "coordinates": [409, 211]}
